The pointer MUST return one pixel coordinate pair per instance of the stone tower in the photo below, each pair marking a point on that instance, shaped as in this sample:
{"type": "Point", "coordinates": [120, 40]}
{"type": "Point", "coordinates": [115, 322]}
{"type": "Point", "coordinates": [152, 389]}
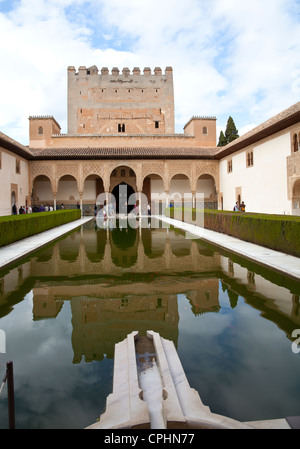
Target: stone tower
{"type": "Point", "coordinates": [120, 102]}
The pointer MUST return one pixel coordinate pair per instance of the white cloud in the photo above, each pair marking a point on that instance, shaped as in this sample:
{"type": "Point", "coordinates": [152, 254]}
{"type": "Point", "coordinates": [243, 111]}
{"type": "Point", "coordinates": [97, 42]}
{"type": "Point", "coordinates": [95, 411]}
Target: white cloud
{"type": "Point", "coordinates": [229, 57]}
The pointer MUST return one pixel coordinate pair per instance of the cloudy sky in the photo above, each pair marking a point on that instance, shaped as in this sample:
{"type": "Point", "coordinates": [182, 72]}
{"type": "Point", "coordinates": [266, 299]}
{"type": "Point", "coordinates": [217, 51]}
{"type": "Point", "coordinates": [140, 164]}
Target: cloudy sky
{"type": "Point", "coordinates": [229, 57]}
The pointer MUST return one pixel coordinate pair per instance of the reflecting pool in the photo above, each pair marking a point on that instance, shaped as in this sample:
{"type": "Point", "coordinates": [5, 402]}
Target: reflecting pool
{"type": "Point", "coordinates": [65, 307]}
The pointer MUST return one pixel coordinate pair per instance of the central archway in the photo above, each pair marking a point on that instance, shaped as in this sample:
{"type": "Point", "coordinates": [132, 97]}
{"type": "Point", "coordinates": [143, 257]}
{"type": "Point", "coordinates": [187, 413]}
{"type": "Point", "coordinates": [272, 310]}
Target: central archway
{"type": "Point", "coordinates": [122, 192]}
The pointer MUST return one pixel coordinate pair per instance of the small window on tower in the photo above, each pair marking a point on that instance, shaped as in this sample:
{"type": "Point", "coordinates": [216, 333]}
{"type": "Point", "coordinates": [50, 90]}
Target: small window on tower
{"type": "Point", "coordinates": [121, 128]}
{"type": "Point", "coordinates": [156, 125]}
{"type": "Point", "coordinates": [204, 130]}
{"type": "Point", "coordinates": [41, 130]}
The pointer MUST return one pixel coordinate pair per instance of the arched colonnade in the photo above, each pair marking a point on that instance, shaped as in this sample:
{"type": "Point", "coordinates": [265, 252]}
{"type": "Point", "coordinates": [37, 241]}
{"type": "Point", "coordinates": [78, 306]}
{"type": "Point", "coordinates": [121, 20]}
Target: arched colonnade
{"type": "Point", "coordinates": [71, 182]}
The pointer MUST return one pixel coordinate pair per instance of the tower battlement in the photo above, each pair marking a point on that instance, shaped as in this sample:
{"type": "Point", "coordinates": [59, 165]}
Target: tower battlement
{"type": "Point", "coordinates": [115, 71]}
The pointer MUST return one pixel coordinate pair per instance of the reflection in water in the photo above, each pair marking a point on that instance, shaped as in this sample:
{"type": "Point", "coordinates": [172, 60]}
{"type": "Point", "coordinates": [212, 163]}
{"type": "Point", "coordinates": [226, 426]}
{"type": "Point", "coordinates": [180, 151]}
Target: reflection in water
{"type": "Point", "coordinates": [65, 308]}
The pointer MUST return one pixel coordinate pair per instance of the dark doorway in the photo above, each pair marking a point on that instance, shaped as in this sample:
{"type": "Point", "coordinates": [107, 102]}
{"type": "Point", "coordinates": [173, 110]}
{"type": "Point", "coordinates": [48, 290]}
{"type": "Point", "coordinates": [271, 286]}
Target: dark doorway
{"type": "Point", "coordinates": [122, 194]}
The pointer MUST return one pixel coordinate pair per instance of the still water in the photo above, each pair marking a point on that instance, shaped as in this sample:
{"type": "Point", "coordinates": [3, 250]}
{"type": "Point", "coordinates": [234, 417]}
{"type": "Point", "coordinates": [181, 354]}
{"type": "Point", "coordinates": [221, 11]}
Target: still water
{"type": "Point", "coordinates": [65, 307]}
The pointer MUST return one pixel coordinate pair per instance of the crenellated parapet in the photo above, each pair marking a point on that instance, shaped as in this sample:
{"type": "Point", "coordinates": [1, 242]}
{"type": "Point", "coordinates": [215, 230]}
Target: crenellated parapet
{"type": "Point", "coordinates": [115, 71]}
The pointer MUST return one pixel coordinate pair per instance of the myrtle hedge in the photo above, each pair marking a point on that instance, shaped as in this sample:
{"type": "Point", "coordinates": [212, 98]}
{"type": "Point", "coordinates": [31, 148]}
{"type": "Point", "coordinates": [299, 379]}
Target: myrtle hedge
{"type": "Point", "coordinates": [18, 227]}
{"type": "Point", "coordinates": [277, 232]}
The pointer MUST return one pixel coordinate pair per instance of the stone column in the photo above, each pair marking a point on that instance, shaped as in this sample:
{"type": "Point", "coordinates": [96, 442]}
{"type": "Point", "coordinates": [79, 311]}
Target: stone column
{"type": "Point", "coordinates": [167, 204]}
{"type": "Point", "coordinates": [80, 202]}
{"type": "Point", "coordinates": [140, 203]}
{"type": "Point", "coordinates": [167, 198]}
{"type": "Point", "coordinates": [193, 200]}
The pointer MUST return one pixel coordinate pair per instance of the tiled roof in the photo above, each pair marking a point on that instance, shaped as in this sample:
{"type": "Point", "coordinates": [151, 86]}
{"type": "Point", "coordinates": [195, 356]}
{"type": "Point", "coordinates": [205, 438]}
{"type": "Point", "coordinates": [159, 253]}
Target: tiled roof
{"type": "Point", "coordinates": [277, 123]}
{"type": "Point", "coordinates": [125, 153]}
{"type": "Point", "coordinates": [17, 148]}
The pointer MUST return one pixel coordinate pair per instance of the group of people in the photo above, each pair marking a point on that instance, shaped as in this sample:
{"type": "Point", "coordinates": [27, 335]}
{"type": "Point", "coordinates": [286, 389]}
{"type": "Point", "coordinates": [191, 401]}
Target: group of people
{"type": "Point", "coordinates": [239, 207]}
{"type": "Point", "coordinates": [29, 210]}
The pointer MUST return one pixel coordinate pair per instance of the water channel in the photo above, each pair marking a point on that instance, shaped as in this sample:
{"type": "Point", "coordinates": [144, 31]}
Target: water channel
{"type": "Point", "coordinates": [65, 307]}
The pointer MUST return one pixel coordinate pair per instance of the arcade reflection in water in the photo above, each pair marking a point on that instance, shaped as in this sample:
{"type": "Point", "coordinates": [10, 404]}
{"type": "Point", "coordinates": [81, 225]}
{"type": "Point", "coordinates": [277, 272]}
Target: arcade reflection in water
{"type": "Point", "coordinates": [124, 278]}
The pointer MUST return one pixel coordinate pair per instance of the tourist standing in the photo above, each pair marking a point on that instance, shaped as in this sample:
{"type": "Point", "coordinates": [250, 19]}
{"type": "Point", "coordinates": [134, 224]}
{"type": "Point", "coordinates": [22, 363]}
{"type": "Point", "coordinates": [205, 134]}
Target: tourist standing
{"type": "Point", "coordinates": [236, 207]}
{"type": "Point", "coordinates": [243, 207]}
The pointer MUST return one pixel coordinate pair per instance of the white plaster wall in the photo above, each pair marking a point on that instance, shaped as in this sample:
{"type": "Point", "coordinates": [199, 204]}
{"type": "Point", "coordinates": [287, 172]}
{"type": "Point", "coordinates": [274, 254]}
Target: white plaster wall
{"type": "Point", "coordinates": [67, 191]}
{"type": "Point", "coordinates": [157, 186]}
{"type": "Point", "coordinates": [177, 186]}
{"type": "Point", "coordinates": [181, 186]}
{"type": "Point", "coordinates": [206, 186]}
{"type": "Point", "coordinates": [157, 195]}
{"type": "Point", "coordinates": [43, 191]}
{"type": "Point", "coordinates": [263, 186]}
{"type": "Point", "coordinates": [89, 192]}
{"type": "Point", "coordinates": [9, 176]}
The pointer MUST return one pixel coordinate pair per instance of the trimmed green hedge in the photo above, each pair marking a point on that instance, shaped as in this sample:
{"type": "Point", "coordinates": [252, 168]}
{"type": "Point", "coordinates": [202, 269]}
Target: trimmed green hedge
{"type": "Point", "coordinates": [277, 232]}
{"type": "Point", "coordinates": [18, 227]}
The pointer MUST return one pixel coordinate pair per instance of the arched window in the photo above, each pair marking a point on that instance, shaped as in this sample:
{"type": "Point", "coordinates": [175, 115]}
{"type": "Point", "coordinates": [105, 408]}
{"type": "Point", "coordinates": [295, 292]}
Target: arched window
{"type": "Point", "coordinates": [204, 130]}
{"type": "Point", "coordinates": [41, 130]}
